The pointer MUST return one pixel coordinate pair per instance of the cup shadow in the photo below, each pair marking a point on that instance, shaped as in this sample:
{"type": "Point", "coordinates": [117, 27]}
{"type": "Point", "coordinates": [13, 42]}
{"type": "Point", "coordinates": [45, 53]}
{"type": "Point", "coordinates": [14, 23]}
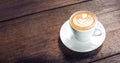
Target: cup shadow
{"type": "Point", "coordinates": [73, 55]}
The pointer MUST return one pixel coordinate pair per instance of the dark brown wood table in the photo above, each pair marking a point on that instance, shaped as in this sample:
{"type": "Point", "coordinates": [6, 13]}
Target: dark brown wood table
{"type": "Point", "coordinates": [29, 30]}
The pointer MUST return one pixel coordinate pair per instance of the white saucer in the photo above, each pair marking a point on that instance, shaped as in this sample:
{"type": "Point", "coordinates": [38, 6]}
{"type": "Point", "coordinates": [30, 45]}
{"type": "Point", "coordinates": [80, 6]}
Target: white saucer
{"type": "Point", "coordinates": [69, 40]}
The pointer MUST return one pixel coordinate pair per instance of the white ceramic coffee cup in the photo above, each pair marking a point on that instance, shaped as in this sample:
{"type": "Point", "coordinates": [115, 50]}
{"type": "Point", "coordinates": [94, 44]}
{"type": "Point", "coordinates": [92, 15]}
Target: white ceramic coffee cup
{"type": "Point", "coordinates": [85, 35]}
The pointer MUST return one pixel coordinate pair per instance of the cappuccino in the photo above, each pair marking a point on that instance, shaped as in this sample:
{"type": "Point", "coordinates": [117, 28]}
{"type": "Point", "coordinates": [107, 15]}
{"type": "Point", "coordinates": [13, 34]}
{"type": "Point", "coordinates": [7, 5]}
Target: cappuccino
{"type": "Point", "coordinates": [83, 20]}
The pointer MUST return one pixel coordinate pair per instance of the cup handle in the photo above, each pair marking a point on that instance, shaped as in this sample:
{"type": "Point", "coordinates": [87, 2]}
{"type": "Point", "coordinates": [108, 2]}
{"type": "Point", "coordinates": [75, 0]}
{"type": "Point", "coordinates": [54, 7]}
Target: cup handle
{"type": "Point", "coordinates": [97, 32]}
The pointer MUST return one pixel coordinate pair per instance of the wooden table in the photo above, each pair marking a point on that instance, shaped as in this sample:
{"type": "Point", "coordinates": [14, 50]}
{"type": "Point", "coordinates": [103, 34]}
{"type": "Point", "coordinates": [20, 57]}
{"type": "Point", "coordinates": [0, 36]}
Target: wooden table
{"type": "Point", "coordinates": [29, 30]}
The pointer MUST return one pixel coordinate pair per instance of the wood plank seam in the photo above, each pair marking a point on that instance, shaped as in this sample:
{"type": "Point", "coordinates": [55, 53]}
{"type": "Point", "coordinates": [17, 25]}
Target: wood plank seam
{"type": "Point", "coordinates": [42, 11]}
{"type": "Point", "coordinates": [104, 58]}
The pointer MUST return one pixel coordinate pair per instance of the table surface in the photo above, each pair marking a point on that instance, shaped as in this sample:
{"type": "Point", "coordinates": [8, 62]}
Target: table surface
{"type": "Point", "coordinates": [29, 30]}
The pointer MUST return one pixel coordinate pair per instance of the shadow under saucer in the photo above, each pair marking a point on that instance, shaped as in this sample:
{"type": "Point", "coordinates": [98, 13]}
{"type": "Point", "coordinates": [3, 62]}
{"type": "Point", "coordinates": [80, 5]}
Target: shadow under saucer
{"type": "Point", "coordinates": [73, 55]}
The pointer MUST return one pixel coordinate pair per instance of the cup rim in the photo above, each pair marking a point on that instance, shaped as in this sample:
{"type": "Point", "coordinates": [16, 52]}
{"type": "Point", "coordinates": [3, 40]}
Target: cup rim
{"type": "Point", "coordinates": [92, 26]}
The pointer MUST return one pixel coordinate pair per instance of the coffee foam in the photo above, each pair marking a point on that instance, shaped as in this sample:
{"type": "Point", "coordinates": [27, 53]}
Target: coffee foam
{"type": "Point", "coordinates": [83, 20]}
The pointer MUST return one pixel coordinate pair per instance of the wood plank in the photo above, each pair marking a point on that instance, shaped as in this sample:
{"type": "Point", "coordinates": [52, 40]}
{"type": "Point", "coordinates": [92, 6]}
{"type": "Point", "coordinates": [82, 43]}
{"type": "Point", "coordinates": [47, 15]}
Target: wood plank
{"type": "Point", "coordinates": [14, 8]}
{"type": "Point", "coordinates": [110, 6]}
{"type": "Point", "coordinates": [36, 37]}
{"type": "Point", "coordinates": [113, 59]}
{"type": "Point", "coordinates": [110, 3]}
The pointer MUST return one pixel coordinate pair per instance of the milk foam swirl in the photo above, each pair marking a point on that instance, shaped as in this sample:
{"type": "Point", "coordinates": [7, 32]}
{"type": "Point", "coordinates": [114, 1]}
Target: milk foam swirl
{"type": "Point", "coordinates": [83, 20]}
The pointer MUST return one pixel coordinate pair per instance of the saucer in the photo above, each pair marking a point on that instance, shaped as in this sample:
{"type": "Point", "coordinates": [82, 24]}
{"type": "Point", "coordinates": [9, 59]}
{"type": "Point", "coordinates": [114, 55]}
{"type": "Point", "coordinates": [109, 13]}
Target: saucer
{"type": "Point", "coordinates": [68, 39]}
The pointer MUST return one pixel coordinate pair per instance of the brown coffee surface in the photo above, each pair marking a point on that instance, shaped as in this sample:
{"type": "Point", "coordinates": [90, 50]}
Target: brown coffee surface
{"type": "Point", "coordinates": [83, 20]}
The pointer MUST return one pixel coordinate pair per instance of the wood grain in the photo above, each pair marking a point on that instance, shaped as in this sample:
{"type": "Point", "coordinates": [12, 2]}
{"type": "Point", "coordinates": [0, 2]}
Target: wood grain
{"type": "Point", "coordinates": [113, 59]}
{"type": "Point", "coordinates": [35, 38]}
{"type": "Point", "coordinates": [16, 8]}
{"type": "Point", "coordinates": [110, 6]}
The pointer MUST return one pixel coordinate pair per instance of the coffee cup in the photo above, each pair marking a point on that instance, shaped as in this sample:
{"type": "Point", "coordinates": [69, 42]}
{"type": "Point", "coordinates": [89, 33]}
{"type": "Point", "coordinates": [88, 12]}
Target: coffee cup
{"type": "Point", "coordinates": [83, 25]}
